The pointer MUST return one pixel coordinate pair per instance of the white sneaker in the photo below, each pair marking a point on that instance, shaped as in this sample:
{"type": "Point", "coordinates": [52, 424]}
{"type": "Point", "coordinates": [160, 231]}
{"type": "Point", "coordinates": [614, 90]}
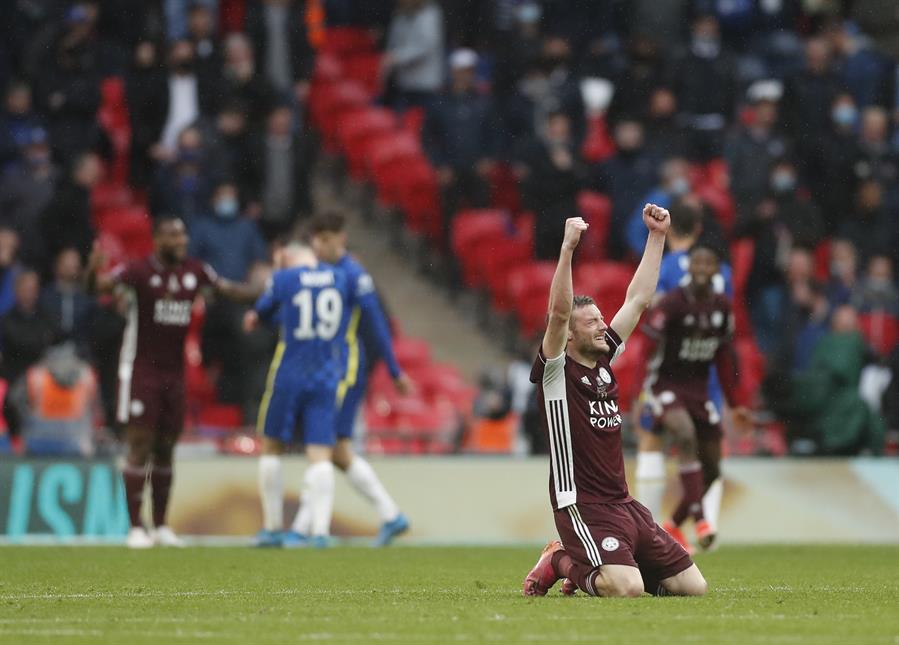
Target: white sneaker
{"type": "Point", "coordinates": [164, 536]}
{"type": "Point", "coordinates": [138, 538]}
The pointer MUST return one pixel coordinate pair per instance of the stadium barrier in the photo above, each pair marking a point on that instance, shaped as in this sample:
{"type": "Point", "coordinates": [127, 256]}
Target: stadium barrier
{"type": "Point", "coordinates": [449, 500]}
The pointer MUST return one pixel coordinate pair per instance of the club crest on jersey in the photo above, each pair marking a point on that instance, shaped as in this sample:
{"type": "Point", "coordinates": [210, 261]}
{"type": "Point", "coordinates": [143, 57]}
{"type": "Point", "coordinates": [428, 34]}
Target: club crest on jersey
{"type": "Point", "coordinates": [717, 319]}
{"type": "Point", "coordinates": [155, 281]}
{"type": "Point", "coordinates": [190, 281]}
{"type": "Point", "coordinates": [604, 375]}
{"type": "Point", "coordinates": [609, 544]}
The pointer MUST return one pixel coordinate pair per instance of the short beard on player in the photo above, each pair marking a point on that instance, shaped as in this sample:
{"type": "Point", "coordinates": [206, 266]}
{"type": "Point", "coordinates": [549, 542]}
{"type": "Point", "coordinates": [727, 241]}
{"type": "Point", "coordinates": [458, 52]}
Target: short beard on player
{"type": "Point", "coordinates": [589, 347]}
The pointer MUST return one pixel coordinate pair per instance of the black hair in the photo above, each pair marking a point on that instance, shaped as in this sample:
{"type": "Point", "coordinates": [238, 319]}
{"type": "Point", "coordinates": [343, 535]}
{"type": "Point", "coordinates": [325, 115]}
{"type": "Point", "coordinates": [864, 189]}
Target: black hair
{"type": "Point", "coordinates": [684, 219]}
{"type": "Point", "coordinates": [582, 301]}
{"type": "Point", "coordinates": [327, 222]}
{"type": "Point", "coordinates": [702, 245]}
{"type": "Point", "coordinates": [162, 220]}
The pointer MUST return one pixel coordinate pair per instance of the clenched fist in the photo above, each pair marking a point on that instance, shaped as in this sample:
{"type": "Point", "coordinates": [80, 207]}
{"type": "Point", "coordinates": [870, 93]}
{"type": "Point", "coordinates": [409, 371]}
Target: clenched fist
{"type": "Point", "coordinates": [574, 227]}
{"type": "Point", "coordinates": [656, 218]}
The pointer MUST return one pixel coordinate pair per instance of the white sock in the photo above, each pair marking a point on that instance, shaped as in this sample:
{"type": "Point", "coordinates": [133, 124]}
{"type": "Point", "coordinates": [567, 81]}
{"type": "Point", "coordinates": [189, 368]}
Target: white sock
{"type": "Point", "coordinates": [711, 503]}
{"type": "Point", "coordinates": [363, 478]}
{"type": "Point", "coordinates": [302, 523]}
{"type": "Point", "coordinates": [320, 489]}
{"type": "Point", "coordinates": [650, 477]}
{"type": "Point", "coordinates": [271, 490]}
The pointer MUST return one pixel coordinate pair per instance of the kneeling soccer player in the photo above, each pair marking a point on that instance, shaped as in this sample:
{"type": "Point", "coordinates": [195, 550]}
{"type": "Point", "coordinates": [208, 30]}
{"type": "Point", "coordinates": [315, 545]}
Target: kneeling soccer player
{"type": "Point", "coordinates": [612, 545]}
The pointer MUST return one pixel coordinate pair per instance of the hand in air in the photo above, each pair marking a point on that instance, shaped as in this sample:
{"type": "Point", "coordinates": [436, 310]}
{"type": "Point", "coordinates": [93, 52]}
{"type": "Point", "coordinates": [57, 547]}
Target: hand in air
{"type": "Point", "coordinates": [404, 385]}
{"type": "Point", "coordinates": [250, 321]}
{"type": "Point", "coordinates": [656, 218]}
{"type": "Point", "coordinates": [742, 417]}
{"type": "Point", "coordinates": [574, 227]}
{"type": "Point", "coordinates": [97, 259]}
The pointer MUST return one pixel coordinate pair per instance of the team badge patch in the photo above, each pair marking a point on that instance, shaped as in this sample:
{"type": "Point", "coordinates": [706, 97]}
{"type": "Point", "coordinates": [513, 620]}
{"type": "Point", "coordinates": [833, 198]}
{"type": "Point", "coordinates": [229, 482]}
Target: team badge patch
{"type": "Point", "coordinates": [137, 408]}
{"type": "Point", "coordinates": [717, 319]}
{"type": "Point", "coordinates": [609, 544]}
{"type": "Point", "coordinates": [604, 375]}
{"type": "Point", "coordinates": [190, 281]}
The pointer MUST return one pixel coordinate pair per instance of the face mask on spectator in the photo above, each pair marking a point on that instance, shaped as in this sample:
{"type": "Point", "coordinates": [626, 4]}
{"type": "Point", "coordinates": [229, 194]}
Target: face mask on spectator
{"type": "Point", "coordinates": [680, 186]}
{"type": "Point", "coordinates": [844, 115]}
{"type": "Point", "coordinates": [226, 208]}
{"type": "Point", "coordinates": [783, 182]}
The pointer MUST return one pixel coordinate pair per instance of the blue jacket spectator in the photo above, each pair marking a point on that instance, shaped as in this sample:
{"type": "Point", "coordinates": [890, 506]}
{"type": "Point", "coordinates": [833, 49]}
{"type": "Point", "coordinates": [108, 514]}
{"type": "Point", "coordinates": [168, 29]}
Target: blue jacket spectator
{"type": "Point", "coordinates": [229, 243]}
{"type": "Point", "coordinates": [65, 302]}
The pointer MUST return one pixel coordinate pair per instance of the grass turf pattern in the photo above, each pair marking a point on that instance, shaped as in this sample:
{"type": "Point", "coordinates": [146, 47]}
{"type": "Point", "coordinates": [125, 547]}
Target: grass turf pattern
{"type": "Point", "coordinates": [758, 594]}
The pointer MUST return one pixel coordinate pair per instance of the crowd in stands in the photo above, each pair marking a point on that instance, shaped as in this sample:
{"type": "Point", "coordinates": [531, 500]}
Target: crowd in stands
{"type": "Point", "coordinates": [777, 119]}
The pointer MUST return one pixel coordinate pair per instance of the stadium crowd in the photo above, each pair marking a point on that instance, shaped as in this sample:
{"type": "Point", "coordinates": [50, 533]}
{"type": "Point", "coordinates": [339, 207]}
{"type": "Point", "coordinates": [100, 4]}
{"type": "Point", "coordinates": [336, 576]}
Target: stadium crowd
{"type": "Point", "coordinates": [777, 119]}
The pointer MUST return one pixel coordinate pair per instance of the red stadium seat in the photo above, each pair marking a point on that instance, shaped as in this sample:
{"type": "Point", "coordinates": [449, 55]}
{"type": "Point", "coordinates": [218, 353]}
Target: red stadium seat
{"type": "Point", "coordinates": [344, 41]}
{"type": "Point", "coordinates": [628, 370]}
{"type": "Point", "coordinates": [327, 68]}
{"type": "Point", "coordinates": [496, 263]}
{"type": "Point", "coordinates": [419, 201]}
{"type": "Point", "coordinates": [220, 417]}
{"type": "Point", "coordinates": [391, 158]}
{"type": "Point", "coordinates": [356, 129]}
{"type": "Point", "coordinates": [329, 102]}
{"type": "Point", "coordinates": [751, 364]}
{"type": "Point", "coordinates": [528, 290]}
{"type": "Point", "coordinates": [596, 209]}
{"type": "Point", "coordinates": [741, 254]}
{"type": "Point", "coordinates": [411, 352]}
{"type": "Point", "coordinates": [364, 68]}
{"type": "Point", "coordinates": [880, 330]}
{"type": "Point", "coordinates": [606, 282]}
{"type": "Point", "coordinates": [822, 261]}
{"type": "Point", "coordinates": [473, 232]}
{"type": "Point", "coordinates": [504, 191]}
{"type": "Point", "coordinates": [413, 121]}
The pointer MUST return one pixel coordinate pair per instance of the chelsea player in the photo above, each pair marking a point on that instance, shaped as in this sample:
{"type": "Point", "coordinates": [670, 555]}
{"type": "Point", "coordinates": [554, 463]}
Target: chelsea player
{"type": "Point", "coordinates": [308, 300]}
{"type": "Point", "coordinates": [365, 319]}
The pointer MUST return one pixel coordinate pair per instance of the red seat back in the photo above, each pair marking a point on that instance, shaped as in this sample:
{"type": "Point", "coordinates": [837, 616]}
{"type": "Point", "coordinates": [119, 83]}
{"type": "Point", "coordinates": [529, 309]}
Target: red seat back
{"type": "Point", "coordinates": [881, 330]}
{"type": "Point", "coordinates": [596, 209]}
{"type": "Point", "coordinates": [606, 282]}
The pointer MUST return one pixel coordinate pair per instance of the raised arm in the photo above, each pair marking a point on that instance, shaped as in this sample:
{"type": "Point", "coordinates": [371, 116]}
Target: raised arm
{"type": "Point", "coordinates": [236, 291]}
{"type": "Point", "coordinates": [561, 293]}
{"type": "Point", "coordinates": [94, 281]}
{"type": "Point", "coordinates": [643, 285]}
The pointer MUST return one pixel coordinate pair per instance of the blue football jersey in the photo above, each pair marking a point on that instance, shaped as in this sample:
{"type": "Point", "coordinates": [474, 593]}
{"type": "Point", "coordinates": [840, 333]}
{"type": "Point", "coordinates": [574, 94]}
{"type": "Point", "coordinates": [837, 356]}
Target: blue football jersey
{"type": "Point", "coordinates": [310, 305]}
{"type": "Point", "coordinates": [674, 273]}
{"type": "Point", "coordinates": [365, 319]}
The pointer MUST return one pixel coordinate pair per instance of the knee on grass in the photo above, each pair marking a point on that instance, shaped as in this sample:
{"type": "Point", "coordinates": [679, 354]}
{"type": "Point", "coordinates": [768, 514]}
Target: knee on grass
{"type": "Point", "coordinates": [618, 584]}
{"type": "Point", "coordinates": [687, 583]}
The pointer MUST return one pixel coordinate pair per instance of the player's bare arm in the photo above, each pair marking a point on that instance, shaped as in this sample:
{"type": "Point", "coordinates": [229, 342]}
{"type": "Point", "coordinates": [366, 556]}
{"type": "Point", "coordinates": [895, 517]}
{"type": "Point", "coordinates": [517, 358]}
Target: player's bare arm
{"type": "Point", "coordinates": [236, 291]}
{"type": "Point", "coordinates": [561, 293]}
{"type": "Point", "coordinates": [94, 280]}
{"type": "Point", "coordinates": [643, 285]}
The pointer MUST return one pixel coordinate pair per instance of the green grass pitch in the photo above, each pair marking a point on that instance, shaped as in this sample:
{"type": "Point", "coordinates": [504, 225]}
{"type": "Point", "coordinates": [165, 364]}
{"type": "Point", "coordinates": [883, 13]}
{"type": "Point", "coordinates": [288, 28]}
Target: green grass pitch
{"type": "Point", "coordinates": [762, 595]}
